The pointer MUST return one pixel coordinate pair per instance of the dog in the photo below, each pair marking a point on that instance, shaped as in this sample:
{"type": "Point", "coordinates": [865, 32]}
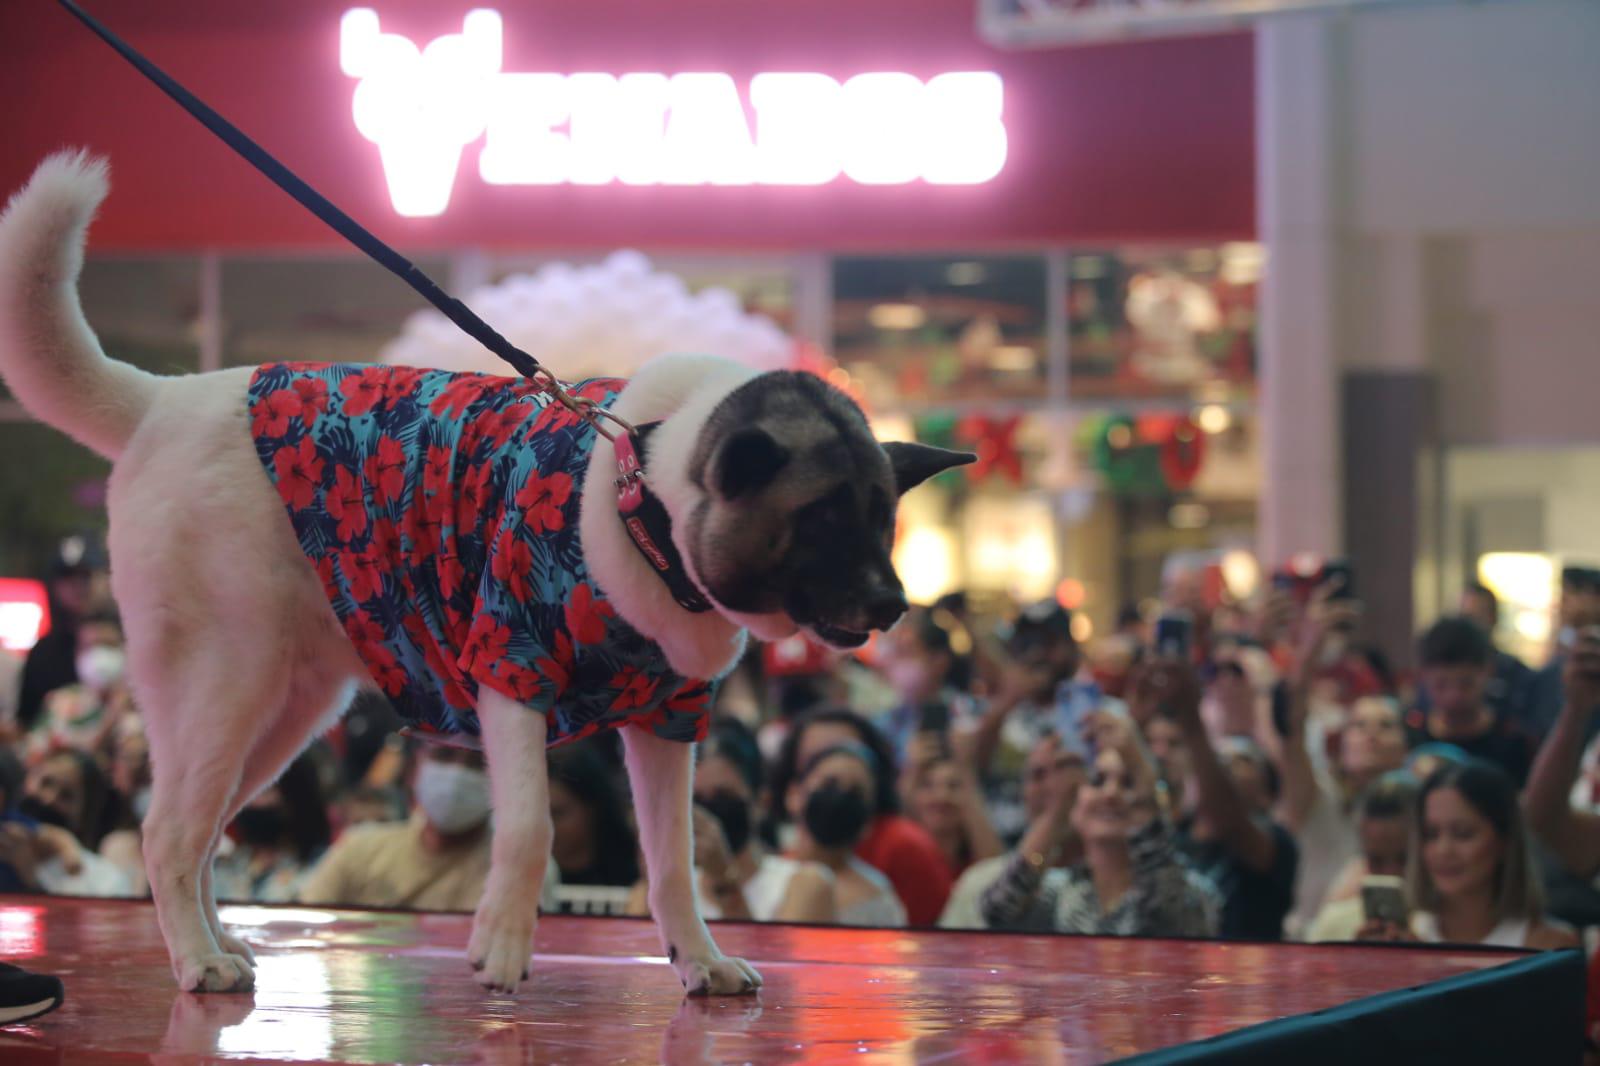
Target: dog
{"type": "Point", "coordinates": [245, 634]}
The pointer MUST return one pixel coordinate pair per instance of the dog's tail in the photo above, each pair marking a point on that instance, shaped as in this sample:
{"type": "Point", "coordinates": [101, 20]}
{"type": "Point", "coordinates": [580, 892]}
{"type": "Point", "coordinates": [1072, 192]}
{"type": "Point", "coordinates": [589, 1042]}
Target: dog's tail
{"type": "Point", "coordinates": [49, 357]}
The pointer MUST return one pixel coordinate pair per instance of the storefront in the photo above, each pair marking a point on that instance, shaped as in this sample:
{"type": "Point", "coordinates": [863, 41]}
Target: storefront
{"type": "Point", "coordinates": [1042, 256]}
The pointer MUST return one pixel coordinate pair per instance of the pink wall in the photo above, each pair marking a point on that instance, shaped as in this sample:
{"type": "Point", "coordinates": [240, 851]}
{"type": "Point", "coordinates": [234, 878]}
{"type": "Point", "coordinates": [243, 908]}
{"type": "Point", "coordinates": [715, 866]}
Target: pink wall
{"type": "Point", "coordinates": [1149, 141]}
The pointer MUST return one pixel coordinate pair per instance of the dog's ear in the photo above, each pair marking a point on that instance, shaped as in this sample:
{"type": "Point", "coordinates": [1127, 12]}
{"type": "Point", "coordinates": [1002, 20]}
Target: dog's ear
{"type": "Point", "coordinates": [749, 461]}
{"type": "Point", "coordinates": [915, 463]}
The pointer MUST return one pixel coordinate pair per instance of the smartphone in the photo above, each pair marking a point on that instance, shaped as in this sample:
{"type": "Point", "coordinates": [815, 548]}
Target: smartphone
{"type": "Point", "coordinates": [1339, 574]}
{"type": "Point", "coordinates": [1174, 637]}
{"type": "Point", "coordinates": [1384, 897]}
{"type": "Point", "coordinates": [934, 717]}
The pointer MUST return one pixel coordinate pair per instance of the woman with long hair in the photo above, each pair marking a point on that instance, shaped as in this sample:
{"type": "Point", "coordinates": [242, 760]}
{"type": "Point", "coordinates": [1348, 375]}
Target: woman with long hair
{"type": "Point", "coordinates": [1130, 880]}
{"type": "Point", "coordinates": [1471, 874]}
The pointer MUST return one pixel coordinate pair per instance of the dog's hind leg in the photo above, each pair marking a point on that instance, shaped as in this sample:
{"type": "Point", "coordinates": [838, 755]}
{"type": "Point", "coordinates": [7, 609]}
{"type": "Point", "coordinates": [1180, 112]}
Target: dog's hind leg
{"type": "Point", "coordinates": [502, 930]}
{"type": "Point", "coordinates": [318, 696]}
{"type": "Point", "coordinates": [198, 745]}
{"type": "Point", "coordinates": [661, 773]}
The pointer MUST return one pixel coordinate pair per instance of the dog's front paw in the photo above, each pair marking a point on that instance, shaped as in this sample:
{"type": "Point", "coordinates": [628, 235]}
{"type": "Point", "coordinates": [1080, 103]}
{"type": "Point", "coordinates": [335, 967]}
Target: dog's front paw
{"type": "Point", "coordinates": [716, 976]}
{"type": "Point", "coordinates": [499, 950]}
{"type": "Point", "coordinates": [216, 973]}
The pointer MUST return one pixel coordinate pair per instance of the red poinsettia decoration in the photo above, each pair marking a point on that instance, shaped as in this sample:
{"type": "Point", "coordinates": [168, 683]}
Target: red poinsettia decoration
{"type": "Point", "coordinates": [994, 439]}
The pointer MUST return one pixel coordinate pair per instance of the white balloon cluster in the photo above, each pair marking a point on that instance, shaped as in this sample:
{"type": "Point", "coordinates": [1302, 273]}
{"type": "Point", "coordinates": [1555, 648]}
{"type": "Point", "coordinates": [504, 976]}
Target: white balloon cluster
{"type": "Point", "coordinates": [602, 320]}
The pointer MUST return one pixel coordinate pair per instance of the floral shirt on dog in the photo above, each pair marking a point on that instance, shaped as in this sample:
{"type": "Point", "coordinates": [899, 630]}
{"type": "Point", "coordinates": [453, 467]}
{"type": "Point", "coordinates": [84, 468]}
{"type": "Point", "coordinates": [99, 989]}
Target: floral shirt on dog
{"type": "Point", "coordinates": [441, 512]}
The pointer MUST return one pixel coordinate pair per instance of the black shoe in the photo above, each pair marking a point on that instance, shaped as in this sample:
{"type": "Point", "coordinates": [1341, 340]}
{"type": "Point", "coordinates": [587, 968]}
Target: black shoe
{"type": "Point", "coordinates": [25, 995]}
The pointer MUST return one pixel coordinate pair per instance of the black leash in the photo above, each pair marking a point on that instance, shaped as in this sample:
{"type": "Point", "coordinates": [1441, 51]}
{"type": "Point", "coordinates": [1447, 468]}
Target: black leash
{"type": "Point", "coordinates": [347, 227]}
{"type": "Point", "coordinates": [643, 514]}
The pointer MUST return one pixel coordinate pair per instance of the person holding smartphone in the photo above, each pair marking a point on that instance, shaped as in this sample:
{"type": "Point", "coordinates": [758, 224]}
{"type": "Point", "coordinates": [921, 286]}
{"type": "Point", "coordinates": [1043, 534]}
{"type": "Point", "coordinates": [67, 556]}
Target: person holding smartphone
{"type": "Point", "coordinates": [920, 660]}
{"type": "Point", "coordinates": [1319, 804]}
{"type": "Point", "coordinates": [1033, 697]}
{"type": "Point", "coordinates": [1383, 827]}
{"type": "Point", "coordinates": [1228, 834]}
{"type": "Point", "coordinates": [1131, 880]}
{"type": "Point", "coordinates": [1573, 835]}
{"type": "Point", "coordinates": [1051, 777]}
{"type": "Point", "coordinates": [1471, 876]}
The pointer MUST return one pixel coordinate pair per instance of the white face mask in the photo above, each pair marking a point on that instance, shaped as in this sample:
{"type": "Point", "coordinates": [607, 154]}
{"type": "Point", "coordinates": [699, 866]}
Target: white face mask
{"type": "Point", "coordinates": [454, 797]}
{"type": "Point", "coordinates": [100, 667]}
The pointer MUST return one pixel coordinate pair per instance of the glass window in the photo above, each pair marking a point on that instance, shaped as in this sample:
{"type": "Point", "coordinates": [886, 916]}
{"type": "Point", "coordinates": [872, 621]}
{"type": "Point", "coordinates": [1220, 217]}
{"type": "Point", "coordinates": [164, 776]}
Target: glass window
{"type": "Point", "coordinates": [56, 490]}
{"type": "Point", "coordinates": [915, 332]}
{"type": "Point", "coordinates": [324, 310]}
{"type": "Point", "coordinates": [1164, 323]}
{"type": "Point", "coordinates": [144, 310]}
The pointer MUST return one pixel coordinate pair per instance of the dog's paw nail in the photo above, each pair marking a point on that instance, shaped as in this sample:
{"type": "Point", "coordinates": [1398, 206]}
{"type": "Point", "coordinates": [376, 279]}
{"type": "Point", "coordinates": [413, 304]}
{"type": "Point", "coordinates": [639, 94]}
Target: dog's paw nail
{"type": "Point", "coordinates": [477, 965]}
{"type": "Point", "coordinates": [700, 990]}
{"type": "Point", "coordinates": [524, 975]}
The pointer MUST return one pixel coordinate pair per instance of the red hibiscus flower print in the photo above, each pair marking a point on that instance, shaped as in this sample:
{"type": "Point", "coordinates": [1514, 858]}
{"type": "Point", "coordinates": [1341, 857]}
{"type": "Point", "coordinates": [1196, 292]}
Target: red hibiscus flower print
{"type": "Point", "coordinates": [451, 572]}
{"type": "Point", "coordinates": [386, 470]}
{"type": "Point", "coordinates": [522, 684]}
{"type": "Point", "coordinates": [325, 572]}
{"type": "Point", "coordinates": [635, 688]}
{"type": "Point", "coordinates": [557, 669]}
{"type": "Point", "coordinates": [299, 471]}
{"type": "Point", "coordinates": [555, 417]}
{"type": "Point", "coordinates": [693, 698]}
{"type": "Point", "coordinates": [313, 394]}
{"type": "Point", "coordinates": [383, 546]}
{"type": "Point", "coordinates": [501, 426]}
{"type": "Point", "coordinates": [399, 383]}
{"type": "Point", "coordinates": [541, 500]}
{"type": "Point", "coordinates": [486, 644]}
{"type": "Point", "coordinates": [422, 526]}
{"type": "Point", "coordinates": [389, 676]}
{"type": "Point", "coordinates": [270, 415]}
{"type": "Point", "coordinates": [586, 616]}
{"type": "Point", "coordinates": [471, 494]}
{"type": "Point", "coordinates": [346, 506]}
{"type": "Point", "coordinates": [457, 396]}
{"type": "Point", "coordinates": [436, 470]}
{"type": "Point", "coordinates": [362, 575]}
{"type": "Point", "coordinates": [362, 630]}
{"type": "Point", "coordinates": [363, 390]}
{"type": "Point", "coordinates": [511, 563]}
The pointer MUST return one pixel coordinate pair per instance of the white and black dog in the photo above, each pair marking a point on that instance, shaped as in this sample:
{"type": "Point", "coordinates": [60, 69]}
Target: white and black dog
{"type": "Point", "coordinates": [247, 632]}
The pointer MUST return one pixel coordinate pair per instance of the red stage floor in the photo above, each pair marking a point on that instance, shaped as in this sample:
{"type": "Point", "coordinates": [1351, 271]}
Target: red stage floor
{"type": "Point", "coordinates": [353, 986]}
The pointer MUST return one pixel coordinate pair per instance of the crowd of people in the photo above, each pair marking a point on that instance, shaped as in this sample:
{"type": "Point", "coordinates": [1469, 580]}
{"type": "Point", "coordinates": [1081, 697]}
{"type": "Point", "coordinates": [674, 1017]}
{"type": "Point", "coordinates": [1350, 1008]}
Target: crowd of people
{"type": "Point", "coordinates": [1251, 770]}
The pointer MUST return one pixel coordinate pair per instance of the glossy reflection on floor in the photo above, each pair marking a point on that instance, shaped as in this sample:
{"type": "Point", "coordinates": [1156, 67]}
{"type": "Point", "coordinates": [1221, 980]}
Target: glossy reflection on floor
{"type": "Point", "coordinates": [351, 986]}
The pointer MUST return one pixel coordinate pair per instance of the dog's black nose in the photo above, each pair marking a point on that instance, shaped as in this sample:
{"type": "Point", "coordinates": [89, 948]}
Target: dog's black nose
{"type": "Point", "coordinates": [885, 608]}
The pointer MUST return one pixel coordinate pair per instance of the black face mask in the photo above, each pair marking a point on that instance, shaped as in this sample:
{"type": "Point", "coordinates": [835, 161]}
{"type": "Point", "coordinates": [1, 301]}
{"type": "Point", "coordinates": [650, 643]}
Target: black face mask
{"type": "Point", "coordinates": [734, 813]}
{"type": "Point", "coordinates": [262, 825]}
{"type": "Point", "coordinates": [836, 816]}
{"type": "Point", "coordinates": [42, 812]}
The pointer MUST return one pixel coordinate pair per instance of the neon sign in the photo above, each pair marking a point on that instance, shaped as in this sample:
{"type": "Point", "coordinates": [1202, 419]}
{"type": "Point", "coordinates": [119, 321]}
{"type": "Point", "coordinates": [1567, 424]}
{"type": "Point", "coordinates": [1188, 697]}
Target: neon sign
{"type": "Point", "coordinates": [422, 106]}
